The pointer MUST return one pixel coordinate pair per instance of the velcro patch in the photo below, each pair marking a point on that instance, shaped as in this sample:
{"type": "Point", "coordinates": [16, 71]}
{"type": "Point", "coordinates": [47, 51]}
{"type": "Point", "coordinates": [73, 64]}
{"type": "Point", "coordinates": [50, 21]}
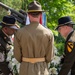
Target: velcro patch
{"type": "Point", "coordinates": [70, 46]}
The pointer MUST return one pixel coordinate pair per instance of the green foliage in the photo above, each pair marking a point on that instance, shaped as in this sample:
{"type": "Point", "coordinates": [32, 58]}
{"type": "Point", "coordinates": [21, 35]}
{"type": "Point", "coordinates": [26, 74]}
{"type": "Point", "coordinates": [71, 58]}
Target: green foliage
{"type": "Point", "coordinates": [2, 12]}
{"type": "Point", "coordinates": [15, 4]}
{"type": "Point", "coordinates": [59, 43]}
{"type": "Point", "coordinates": [24, 4]}
{"type": "Point", "coordinates": [15, 70]}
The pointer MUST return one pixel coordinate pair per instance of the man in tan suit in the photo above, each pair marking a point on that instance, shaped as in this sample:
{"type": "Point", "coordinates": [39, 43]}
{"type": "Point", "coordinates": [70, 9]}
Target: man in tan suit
{"type": "Point", "coordinates": [33, 44]}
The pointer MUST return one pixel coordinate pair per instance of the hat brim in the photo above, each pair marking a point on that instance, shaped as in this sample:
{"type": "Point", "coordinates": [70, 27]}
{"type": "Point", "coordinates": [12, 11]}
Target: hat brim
{"type": "Point", "coordinates": [64, 25]}
{"type": "Point", "coordinates": [14, 26]}
{"type": "Point", "coordinates": [36, 11]}
{"type": "Point", "coordinates": [58, 27]}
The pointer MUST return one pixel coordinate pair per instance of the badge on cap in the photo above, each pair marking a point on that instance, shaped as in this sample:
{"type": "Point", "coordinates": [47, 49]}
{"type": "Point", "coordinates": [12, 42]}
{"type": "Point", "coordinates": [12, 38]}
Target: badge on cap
{"type": "Point", "coordinates": [70, 46]}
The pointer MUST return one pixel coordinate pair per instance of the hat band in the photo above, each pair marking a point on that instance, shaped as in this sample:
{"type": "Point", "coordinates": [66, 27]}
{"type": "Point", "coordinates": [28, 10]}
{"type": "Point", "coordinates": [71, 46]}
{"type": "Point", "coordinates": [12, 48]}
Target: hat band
{"type": "Point", "coordinates": [7, 24]}
{"type": "Point", "coordinates": [66, 23]}
{"type": "Point", "coordinates": [35, 10]}
{"type": "Point", "coordinates": [12, 24]}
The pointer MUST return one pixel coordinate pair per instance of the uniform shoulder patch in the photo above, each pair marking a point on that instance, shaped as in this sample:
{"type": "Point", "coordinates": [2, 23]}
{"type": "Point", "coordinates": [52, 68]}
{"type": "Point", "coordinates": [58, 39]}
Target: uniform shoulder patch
{"type": "Point", "coordinates": [70, 46]}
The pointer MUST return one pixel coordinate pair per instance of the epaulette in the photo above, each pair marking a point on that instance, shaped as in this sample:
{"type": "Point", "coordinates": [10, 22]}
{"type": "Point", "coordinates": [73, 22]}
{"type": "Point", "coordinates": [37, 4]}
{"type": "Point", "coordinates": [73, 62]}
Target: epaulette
{"type": "Point", "coordinates": [69, 36]}
{"type": "Point", "coordinates": [72, 38]}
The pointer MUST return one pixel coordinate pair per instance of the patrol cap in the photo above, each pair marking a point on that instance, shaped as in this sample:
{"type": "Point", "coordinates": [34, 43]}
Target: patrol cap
{"type": "Point", "coordinates": [9, 21]}
{"type": "Point", "coordinates": [66, 20]}
{"type": "Point", "coordinates": [35, 6]}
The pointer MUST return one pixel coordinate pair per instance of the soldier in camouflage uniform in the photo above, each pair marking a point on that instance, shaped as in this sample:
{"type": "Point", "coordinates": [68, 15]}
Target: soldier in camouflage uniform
{"type": "Point", "coordinates": [8, 28]}
{"type": "Point", "coordinates": [65, 28]}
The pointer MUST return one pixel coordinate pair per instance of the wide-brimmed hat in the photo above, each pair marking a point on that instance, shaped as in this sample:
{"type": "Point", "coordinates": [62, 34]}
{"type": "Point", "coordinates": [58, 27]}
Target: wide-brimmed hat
{"type": "Point", "coordinates": [35, 7]}
{"type": "Point", "coordinates": [9, 21]}
{"type": "Point", "coordinates": [66, 20]}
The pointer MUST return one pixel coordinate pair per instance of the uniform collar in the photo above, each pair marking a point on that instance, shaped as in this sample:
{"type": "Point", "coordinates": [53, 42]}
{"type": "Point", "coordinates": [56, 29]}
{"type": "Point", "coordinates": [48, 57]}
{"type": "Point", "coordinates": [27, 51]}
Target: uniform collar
{"type": "Point", "coordinates": [5, 37]}
{"type": "Point", "coordinates": [69, 35]}
{"type": "Point", "coordinates": [34, 22]}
